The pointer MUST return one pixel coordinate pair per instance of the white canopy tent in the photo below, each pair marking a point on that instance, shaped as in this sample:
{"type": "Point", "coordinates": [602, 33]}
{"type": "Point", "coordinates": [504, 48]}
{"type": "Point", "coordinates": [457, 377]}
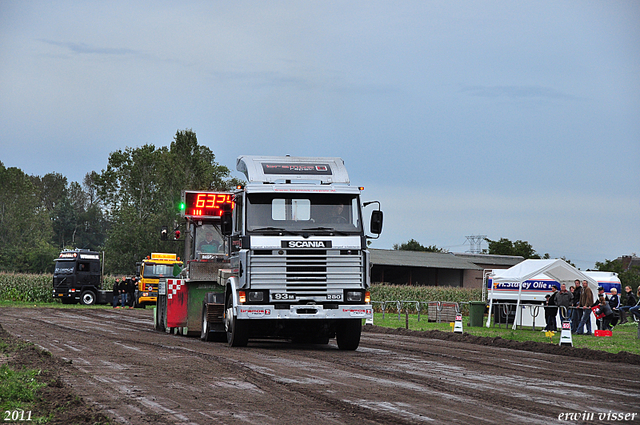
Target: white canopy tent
{"type": "Point", "coordinates": [558, 270]}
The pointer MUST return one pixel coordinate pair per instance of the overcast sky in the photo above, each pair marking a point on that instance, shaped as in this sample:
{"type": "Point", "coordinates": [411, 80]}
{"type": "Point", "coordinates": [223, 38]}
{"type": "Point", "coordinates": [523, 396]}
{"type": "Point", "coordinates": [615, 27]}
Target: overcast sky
{"type": "Point", "coordinates": [506, 119]}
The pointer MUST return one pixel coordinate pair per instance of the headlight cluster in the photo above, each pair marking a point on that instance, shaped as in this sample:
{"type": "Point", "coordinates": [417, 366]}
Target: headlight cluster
{"type": "Point", "coordinates": [354, 296]}
{"type": "Point", "coordinates": [358, 296]}
{"type": "Point", "coordinates": [251, 296]}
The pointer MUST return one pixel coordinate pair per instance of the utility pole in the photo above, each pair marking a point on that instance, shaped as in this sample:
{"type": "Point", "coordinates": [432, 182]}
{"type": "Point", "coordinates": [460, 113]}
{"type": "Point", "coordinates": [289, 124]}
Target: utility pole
{"type": "Point", "coordinates": [475, 242]}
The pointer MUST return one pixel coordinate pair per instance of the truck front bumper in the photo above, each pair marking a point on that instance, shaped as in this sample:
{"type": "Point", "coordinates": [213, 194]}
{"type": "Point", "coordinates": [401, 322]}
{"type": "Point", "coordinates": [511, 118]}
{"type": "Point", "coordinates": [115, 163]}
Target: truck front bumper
{"type": "Point", "coordinates": [148, 297]}
{"type": "Point", "coordinates": [67, 294]}
{"type": "Point", "coordinates": [311, 312]}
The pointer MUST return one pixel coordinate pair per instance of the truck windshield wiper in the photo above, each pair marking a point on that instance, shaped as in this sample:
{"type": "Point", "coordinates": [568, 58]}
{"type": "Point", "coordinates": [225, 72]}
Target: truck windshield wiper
{"type": "Point", "coordinates": [326, 229]}
{"type": "Point", "coordinates": [273, 229]}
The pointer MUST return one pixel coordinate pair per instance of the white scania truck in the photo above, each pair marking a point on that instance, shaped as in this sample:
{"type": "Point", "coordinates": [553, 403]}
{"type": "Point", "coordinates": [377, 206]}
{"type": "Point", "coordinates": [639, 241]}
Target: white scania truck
{"type": "Point", "coordinates": [299, 264]}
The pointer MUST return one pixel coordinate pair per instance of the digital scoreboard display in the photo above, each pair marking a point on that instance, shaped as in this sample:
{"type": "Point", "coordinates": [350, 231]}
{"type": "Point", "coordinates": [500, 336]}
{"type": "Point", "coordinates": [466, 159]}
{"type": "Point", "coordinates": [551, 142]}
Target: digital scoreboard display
{"type": "Point", "coordinates": [206, 204]}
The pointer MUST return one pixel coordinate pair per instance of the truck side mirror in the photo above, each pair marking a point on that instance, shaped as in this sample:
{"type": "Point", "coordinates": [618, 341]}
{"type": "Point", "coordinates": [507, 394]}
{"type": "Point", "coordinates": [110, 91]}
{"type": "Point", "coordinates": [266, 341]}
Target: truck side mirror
{"type": "Point", "coordinates": [376, 222]}
{"type": "Point", "coordinates": [226, 226]}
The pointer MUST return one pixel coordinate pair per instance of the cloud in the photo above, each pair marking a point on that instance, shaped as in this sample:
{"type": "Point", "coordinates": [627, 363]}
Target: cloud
{"type": "Point", "coordinates": [82, 48]}
{"type": "Point", "coordinates": [518, 92]}
{"type": "Point", "coordinates": [560, 223]}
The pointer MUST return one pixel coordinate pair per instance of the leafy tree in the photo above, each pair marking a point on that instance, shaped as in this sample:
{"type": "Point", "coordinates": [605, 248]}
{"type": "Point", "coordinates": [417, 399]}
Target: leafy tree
{"type": "Point", "coordinates": [64, 218]}
{"type": "Point", "coordinates": [52, 189]}
{"type": "Point", "coordinates": [141, 188]}
{"type": "Point", "coordinates": [518, 248]}
{"type": "Point", "coordinates": [92, 224]}
{"type": "Point", "coordinates": [565, 259]}
{"type": "Point", "coordinates": [413, 245]}
{"type": "Point", "coordinates": [25, 227]}
{"type": "Point", "coordinates": [74, 210]}
{"type": "Point", "coordinates": [628, 277]}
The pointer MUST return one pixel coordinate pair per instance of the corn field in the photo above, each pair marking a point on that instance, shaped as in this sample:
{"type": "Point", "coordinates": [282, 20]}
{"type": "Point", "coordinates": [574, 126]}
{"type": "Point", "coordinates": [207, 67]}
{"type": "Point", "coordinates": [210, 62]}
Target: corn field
{"type": "Point", "coordinates": [37, 288]}
{"type": "Point", "coordinates": [33, 288]}
{"type": "Point", "coordinates": [384, 292]}
{"type": "Point", "coordinates": [26, 287]}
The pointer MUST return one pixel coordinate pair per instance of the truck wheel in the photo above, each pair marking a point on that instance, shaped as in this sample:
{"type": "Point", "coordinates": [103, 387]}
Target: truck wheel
{"type": "Point", "coordinates": [205, 335]}
{"type": "Point", "coordinates": [160, 318]}
{"type": "Point", "coordinates": [88, 298]}
{"type": "Point", "coordinates": [348, 334]}
{"type": "Point", "coordinates": [237, 330]}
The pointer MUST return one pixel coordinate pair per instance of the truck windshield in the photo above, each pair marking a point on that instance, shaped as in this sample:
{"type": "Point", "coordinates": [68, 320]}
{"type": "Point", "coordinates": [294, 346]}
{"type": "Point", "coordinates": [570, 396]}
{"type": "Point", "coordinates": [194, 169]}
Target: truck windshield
{"type": "Point", "coordinates": [313, 213]}
{"type": "Point", "coordinates": [208, 239]}
{"type": "Point", "coordinates": [158, 270]}
{"type": "Point", "coordinates": [64, 267]}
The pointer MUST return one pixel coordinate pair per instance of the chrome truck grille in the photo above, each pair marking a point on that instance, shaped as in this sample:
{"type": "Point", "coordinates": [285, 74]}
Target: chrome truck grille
{"type": "Point", "coordinates": [306, 272]}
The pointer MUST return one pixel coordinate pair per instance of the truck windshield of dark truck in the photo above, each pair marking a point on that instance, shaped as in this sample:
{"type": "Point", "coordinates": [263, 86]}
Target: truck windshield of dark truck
{"type": "Point", "coordinates": [304, 212]}
{"type": "Point", "coordinates": [64, 267]}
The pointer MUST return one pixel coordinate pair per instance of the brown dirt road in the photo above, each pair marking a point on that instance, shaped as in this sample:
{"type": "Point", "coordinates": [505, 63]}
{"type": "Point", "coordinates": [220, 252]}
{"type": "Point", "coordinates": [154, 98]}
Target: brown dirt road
{"type": "Point", "coordinates": [136, 375]}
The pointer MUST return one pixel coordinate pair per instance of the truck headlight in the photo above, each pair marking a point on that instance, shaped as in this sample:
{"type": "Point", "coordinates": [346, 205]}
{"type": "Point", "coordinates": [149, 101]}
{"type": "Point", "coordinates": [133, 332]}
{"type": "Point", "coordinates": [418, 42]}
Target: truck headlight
{"type": "Point", "coordinates": [256, 296]}
{"type": "Point", "coordinates": [354, 296]}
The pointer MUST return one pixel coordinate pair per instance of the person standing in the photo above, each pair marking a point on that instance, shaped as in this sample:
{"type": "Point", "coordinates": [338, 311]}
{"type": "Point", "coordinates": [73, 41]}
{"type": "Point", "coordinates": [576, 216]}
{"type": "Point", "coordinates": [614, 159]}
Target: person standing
{"type": "Point", "coordinates": [563, 299]}
{"type": "Point", "coordinates": [551, 311]}
{"type": "Point", "coordinates": [601, 292]}
{"type": "Point", "coordinates": [131, 289]}
{"type": "Point", "coordinates": [123, 292]}
{"type": "Point", "coordinates": [575, 311]}
{"type": "Point", "coordinates": [586, 302]}
{"type": "Point", "coordinates": [115, 292]}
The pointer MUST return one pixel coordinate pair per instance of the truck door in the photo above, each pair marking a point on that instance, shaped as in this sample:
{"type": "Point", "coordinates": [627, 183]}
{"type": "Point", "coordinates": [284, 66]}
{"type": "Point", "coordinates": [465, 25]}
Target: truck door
{"type": "Point", "coordinates": [95, 273]}
{"type": "Point", "coordinates": [83, 272]}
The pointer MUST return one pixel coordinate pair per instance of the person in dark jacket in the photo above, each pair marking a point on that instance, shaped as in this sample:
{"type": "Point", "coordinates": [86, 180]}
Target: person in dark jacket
{"type": "Point", "coordinates": [131, 289]}
{"type": "Point", "coordinates": [606, 298]}
{"type": "Point", "coordinates": [563, 299]}
{"type": "Point", "coordinates": [614, 303]}
{"type": "Point", "coordinates": [576, 313]}
{"type": "Point", "coordinates": [123, 292]}
{"type": "Point", "coordinates": [636, 309]}
{"type": "Point", "coordinates": [551, 310]}
{"type": "Point", "coordinates": [631, 301]}
{"type": "Point", "coordinates": [605, 309]}
{"type": "Point", "coordinates": [116, 292]}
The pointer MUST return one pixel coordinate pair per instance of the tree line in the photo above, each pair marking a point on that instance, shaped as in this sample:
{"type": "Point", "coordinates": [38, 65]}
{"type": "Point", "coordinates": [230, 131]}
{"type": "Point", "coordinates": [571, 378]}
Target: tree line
{"type": "Point", "coordinates": [628, 276]}
{"type": "Point", "coordinates": [119, 210]}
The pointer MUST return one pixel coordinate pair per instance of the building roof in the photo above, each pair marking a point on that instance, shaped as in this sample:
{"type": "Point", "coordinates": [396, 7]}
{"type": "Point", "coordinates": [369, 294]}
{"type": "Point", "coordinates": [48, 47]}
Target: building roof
{"type": "Point", "coordinates": [435, 260]}
{"type": "Point", "coordinates": [629, 261]}
{"type": "Point", "coordinates": [491, 260]}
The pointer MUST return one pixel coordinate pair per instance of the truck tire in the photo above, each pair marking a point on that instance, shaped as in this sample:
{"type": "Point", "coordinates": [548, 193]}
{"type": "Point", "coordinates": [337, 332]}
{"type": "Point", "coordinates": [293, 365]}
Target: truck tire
{"type": "Point", "coordinates": [160, 317]}
{"type": "Point", "coordinates": [205, 335]}
{"type": "Point", "coordinates": [88, 298]}
{"type": "Point", "coordinates": [237, 330]}
{"type": "Point", "coordinates": [348, 334]}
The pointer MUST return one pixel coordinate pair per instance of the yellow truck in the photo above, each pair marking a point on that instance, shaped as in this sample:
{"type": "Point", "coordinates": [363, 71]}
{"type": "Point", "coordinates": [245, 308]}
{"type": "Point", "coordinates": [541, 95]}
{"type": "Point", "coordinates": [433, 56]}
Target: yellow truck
{"type": "Point", "coordinates": [151, 271]}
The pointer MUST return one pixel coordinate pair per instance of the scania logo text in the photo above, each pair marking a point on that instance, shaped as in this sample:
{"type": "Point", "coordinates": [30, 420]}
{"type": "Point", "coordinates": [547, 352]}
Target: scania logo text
{"type": "Point", "coordinates": [306, 244]}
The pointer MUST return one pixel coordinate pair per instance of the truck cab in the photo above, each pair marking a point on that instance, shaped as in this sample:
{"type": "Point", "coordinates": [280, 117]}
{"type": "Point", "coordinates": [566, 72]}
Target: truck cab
{"type": "Point", "coordinates": [298, 253]}
{"type": "Point", "coordinates": [151, 271]}
{"type": "Point", "coordinates": [77, 277]}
